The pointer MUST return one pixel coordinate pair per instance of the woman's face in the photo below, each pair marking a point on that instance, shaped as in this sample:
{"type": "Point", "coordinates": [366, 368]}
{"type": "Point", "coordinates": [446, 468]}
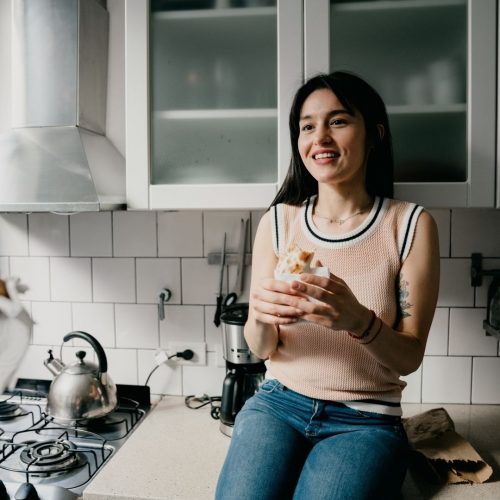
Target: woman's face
{"type": "Point", "coordinates": [332, 142]}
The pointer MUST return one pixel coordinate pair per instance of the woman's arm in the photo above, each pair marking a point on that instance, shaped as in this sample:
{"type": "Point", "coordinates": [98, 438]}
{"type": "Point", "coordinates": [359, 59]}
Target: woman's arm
{"type": "Point", "coordinates": [270, 299]}
{"type": "Point", "coordinates": [402, 348]}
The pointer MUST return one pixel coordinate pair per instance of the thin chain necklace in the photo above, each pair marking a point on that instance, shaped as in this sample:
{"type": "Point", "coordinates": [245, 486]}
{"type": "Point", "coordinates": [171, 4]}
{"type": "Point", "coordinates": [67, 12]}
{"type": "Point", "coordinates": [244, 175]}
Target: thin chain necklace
{"type": "Point", "coordinates": [339, 221]}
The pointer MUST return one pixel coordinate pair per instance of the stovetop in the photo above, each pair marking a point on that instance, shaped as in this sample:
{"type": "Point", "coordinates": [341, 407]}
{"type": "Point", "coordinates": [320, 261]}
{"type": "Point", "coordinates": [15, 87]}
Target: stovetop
{"type": "Point", "coordinates": [59, 460]}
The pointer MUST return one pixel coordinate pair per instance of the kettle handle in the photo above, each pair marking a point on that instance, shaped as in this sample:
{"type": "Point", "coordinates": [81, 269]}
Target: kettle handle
{"type": "Point", "coordinates": [101, 356]}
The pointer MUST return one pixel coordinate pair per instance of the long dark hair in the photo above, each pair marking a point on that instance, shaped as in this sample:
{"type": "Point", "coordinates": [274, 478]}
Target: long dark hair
{"type": "Point", "coordinates": [354, 94]}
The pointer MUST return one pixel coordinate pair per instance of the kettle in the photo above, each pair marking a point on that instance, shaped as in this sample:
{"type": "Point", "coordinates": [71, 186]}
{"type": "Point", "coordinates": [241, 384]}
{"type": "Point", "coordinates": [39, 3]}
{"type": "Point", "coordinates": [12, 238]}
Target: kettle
{"type": "Point", "coordinates": [81, 390]}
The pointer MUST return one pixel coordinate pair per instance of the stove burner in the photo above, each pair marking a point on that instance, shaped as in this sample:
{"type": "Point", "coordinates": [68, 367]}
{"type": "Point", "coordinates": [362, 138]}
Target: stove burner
{"type": "Point", "coordinates": [9, 411]}
{"type": "Point", "coordinates": [51, 457]}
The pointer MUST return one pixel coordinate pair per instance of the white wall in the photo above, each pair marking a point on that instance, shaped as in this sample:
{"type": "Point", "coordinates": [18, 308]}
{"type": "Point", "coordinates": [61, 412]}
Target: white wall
{"type": "Point", "coordinates": [101, 273]}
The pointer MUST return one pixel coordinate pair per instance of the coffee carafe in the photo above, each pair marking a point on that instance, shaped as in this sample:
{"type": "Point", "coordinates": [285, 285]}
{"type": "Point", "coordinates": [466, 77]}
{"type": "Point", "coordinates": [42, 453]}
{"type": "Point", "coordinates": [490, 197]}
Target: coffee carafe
{"type": "Point", "coordinates": [244, 371]}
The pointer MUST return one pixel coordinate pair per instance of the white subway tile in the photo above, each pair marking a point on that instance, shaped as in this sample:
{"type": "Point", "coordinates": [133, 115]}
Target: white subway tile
{"type": "Point", "coordinates": [442, 218]}
{"type": "Point", "coordinates": [90, 234]}
{"type": "Point", "coordinates": [167, 379]}
{"type": "Point", "coordinates": [4, 267]}
{"type": "Point", "coordinates": [180, 234]}
{"type": "Point", "coordinates": [33, 272]}
{"type": "Point", "coordinates": [52, 322]}
{"type": "Point", "coordinates": [446, 379]}
{"type": "Point", "coordinates": [467, 337]}
{"type": "Point", "coordinates": [475, 230]}
{"type": "Point", "coordinates": [96, 319]}
{"type": "Point", "coordinates": [213, 334]}
{"type": "Point", "coordinates": [455, 289]}
{"type": "Point", "coordinates": [70, 279]}
{"type": "Point", "coordinates": [437, 342]}
{"type": "Point", "coordinates": [113, 280]}
{"type": "Point", "coordinates": [485, 377]}
{"type": "Point", "coordinates": [412, 393]}
{"type": "Point", "coordinates": [136, 326]}
{"type": "Point", "coordinates": [215, 224]}
{"type": "Point", "coordinates": [199, 380]}
{"type": "Point", "coordinates": [200, 282]}
{"type": "Point", "coordinates": [155, 274]}
{"type": "Point", "coordinates": [122, 365]}
{"type": "Point", "coordinates": [14, 234]}
{"type": "Point", "coordinates": [182, 324]}
{"type": "Point", "coordinates": [134, 234]}
{"type": "Point", "coordinates": [32, 366]}
{"type": "Point", "coordinates": [49, 235]}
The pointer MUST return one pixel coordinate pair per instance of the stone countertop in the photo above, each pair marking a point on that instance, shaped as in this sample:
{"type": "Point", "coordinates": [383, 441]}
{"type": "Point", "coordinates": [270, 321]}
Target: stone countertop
{"type": "Point", "coordinates": [176, 453]}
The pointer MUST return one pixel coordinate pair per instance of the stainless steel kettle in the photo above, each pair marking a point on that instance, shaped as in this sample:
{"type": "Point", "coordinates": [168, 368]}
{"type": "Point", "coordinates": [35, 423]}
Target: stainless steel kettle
{"type": "Point", "coordinates": [81, 390]}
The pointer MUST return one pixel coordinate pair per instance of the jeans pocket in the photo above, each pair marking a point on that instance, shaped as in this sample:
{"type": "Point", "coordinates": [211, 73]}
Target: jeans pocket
{"type": "Point", "coordinates": [270, 385]}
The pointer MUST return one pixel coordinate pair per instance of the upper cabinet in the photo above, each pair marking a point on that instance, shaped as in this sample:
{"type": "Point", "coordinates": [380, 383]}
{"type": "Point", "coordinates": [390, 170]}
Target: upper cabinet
{"type": "Point", "coordinates": [209, 85]}
{"type": "Point", "coordinates": [204, 100]}
{"type": "Point", "coordinates": [432, 61]}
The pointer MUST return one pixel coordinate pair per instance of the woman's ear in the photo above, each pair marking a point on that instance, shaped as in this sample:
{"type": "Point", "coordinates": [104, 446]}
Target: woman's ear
{"type": "Point", "coordinates": [381, 131]}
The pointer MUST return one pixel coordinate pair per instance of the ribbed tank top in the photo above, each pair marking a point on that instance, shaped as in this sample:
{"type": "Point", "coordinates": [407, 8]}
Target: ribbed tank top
{"type": "Point", "coordinates": [325, 364]}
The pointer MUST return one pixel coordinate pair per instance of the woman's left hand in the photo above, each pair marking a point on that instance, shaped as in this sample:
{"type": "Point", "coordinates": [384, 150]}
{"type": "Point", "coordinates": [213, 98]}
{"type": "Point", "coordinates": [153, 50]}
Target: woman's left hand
{"type": "Point", "coordinates": [338, 308]}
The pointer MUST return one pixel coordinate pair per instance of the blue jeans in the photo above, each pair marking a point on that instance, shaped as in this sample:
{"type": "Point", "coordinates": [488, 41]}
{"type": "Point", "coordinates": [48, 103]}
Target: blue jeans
{"type": "Point", "coordinates": [286, 445]}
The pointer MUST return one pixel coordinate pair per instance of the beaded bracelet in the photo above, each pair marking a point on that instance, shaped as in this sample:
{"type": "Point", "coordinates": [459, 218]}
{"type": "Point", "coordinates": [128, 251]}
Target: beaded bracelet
{"type": "Point", "coordinates": [367, 331]}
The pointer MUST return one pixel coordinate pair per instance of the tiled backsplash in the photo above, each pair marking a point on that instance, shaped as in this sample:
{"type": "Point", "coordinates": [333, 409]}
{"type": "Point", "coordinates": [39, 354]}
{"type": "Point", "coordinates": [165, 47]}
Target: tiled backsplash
{"type": "Point", "coordinates": [101, 273]}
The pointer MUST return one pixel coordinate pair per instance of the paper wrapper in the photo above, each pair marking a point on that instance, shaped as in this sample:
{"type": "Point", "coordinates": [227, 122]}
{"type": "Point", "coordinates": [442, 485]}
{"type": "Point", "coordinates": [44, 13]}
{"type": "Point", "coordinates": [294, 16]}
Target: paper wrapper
{"type": "Point", "coordinates": [446, 457]}
{"type": "Point", "coordinates": [317, 271]}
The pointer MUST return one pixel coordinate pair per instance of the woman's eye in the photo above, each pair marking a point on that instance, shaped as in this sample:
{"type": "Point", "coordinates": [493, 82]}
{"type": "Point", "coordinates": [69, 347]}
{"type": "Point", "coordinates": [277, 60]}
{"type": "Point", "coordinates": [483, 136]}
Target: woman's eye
{"type": "Point", "coordinates": [306, 127]}
{"type": "Point", "coordinates": [338, 121]}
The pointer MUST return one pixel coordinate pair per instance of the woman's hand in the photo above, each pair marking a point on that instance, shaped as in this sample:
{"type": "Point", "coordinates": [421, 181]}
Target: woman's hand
{"type": "Point", "coordinates": [338, 308]}
{"type": "Point", "coordinates": [275, 302]}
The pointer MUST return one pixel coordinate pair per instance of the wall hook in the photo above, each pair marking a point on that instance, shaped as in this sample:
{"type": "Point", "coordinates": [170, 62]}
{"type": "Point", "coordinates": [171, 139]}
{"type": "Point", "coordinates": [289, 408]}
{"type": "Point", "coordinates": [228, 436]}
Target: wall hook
{"type": "Point", "coordinates": [163, 297]}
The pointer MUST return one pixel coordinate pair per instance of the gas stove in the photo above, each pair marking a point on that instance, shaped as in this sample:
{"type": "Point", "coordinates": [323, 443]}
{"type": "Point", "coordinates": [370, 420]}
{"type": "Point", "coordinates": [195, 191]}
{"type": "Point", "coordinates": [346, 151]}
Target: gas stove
{"type": "Point", "coordinates": [41, 458]}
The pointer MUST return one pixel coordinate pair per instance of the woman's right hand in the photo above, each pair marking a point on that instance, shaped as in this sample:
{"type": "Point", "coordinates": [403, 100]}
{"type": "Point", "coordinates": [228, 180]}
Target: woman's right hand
{"type": "Point", "coordinates": [273, 302]}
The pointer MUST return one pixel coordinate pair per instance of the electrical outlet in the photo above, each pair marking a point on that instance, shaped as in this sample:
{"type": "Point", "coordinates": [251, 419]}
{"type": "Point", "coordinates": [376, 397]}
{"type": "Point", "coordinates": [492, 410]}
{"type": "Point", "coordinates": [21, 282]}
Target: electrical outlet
{"type": "Point", "coordinates": [199, 349]}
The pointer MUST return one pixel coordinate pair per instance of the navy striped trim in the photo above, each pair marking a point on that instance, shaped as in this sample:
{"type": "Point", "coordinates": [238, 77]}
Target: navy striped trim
{"type": "Point", "coordinates": [342, 240]}
{"type": "Point", "coordinates": [275, 208]}
{"type": "Point", "coordinates": [376, 402]}
{"type": "Point", "coordinates": [407, 232]}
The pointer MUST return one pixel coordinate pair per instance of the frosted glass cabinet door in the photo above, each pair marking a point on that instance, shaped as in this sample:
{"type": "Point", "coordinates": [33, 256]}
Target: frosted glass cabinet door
{"type": "Point", "coordinates": [431, 61]}
{"type": "Point", "coordinates": [204, 100]}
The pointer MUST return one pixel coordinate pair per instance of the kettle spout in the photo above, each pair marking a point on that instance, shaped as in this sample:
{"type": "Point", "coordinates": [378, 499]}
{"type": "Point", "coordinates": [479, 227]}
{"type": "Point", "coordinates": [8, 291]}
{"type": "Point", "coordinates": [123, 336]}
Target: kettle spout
{"type": "Point", "coordinates": [54, 365]}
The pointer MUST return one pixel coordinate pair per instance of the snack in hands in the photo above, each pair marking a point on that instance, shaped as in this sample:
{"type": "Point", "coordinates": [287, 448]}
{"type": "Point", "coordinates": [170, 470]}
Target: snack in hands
{"type": "Point", "coordinates": [294, 261]}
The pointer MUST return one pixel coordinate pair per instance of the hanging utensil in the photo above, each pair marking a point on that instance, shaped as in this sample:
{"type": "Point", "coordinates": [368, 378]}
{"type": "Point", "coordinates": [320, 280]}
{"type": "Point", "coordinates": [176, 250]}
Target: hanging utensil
{"type": "Point", "coordinates": [240, 274]}
{"type": "Point", "coordinates": [218, 309]}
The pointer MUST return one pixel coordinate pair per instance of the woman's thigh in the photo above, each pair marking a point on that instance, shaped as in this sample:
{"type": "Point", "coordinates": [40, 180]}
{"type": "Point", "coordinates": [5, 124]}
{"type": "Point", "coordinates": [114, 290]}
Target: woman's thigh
{"type": "Point", "coordinates": [366, 464]}
{"type": "Point", "coordinates": [264, 459]}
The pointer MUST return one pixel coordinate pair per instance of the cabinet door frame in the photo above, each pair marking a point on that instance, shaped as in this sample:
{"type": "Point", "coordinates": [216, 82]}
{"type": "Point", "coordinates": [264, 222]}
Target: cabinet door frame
{"type": "Point", "coordinates": [479, 189]}
{"type": "Point", "coordinates": [141, 194]}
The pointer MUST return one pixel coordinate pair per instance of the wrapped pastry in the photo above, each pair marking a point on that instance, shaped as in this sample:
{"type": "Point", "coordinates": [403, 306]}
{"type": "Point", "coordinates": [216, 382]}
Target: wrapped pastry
{"type": "Point", "coordinates": [294, 261]}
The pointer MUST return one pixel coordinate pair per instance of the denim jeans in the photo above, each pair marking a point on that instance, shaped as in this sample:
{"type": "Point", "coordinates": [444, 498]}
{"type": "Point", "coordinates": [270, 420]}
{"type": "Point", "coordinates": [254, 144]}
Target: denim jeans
{"type": "Point", "coordinates": [286, 445]}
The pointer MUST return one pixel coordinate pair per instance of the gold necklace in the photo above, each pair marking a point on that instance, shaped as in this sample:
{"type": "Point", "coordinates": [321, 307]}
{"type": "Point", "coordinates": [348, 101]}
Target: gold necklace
{"type": "Point", "coordinates": [340, 221]}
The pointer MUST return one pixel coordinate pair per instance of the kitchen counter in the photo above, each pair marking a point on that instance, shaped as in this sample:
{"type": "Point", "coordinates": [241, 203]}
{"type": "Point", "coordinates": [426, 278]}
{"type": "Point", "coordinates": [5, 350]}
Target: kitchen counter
{"type": "Point", "coordinates": [176, 453]}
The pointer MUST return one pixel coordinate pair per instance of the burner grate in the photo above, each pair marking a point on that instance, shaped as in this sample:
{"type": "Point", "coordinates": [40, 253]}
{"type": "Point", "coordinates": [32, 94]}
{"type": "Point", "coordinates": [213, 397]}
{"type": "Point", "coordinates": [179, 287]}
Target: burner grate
{"type": "Point", "coordinates": [9, 411]}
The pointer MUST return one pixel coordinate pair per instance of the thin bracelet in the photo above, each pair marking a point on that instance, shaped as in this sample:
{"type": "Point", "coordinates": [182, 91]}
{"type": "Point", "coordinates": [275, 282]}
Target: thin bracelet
{"type": "Point", "coordinates": [375, 334]}
{"type": "Point", "coordinates": [367, 331]}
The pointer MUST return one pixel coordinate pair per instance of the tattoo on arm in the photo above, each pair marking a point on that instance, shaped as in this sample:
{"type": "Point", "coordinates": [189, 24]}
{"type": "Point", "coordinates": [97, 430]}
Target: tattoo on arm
{"type": "Point", "coordinates": [402, 289]}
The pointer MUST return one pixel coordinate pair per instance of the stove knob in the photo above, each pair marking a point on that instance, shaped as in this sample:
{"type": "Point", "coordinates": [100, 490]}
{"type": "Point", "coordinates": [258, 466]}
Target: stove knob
{"type": "Point", "coordinates": [3, 491]}
{"type": "Point", "coordinates": [26, 492]}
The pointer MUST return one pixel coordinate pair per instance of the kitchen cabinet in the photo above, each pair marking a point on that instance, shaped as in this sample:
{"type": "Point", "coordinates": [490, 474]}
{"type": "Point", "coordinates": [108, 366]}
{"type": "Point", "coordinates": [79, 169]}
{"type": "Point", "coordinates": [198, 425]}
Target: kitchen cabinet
{"type": "Point", "coordinates": [208, 91]}
{"type": "Point", "coordinates": [432, 62]}
{"type": "Point", "coordinates": [206, 111]}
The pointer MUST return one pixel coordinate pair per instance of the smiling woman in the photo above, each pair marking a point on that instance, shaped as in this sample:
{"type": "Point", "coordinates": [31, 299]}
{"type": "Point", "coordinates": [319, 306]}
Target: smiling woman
{"type": "Point", "coordinates": [327, 422]}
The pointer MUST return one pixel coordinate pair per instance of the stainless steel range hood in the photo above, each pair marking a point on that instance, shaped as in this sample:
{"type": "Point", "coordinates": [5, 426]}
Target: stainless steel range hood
{"type": "Point", "coordinates": [56, 157]}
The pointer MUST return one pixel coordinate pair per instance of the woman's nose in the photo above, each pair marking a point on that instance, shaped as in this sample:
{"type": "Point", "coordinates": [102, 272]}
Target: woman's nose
{"type": "Point", "coordinates": [322, 135]}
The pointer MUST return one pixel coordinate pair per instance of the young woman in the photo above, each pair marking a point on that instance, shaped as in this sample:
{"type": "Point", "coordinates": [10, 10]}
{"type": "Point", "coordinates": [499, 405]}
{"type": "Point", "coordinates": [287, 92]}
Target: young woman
{"type": "Point", "coordinates": [326, 423]}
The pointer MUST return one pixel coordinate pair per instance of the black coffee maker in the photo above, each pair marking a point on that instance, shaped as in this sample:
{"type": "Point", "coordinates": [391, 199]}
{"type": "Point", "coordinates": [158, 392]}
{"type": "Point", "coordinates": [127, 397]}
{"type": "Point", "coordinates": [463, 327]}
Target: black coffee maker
{"type": "Point", "coordinates": [244, 371]}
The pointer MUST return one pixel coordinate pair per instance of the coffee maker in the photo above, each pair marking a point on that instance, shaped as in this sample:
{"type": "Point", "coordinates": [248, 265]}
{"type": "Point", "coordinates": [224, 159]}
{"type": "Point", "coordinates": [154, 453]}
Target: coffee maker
{"type": "Point", "coordinates": [244, 371]}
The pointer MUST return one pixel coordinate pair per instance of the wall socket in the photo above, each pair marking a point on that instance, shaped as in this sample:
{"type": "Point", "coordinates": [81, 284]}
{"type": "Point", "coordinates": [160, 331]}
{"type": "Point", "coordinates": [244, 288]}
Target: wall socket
{"type": "Point", "coordinates": [199, 349]}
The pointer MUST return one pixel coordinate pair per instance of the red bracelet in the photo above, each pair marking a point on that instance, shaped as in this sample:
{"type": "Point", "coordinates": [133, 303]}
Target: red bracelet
{"type": "Point", "coordinates": [367, 331]}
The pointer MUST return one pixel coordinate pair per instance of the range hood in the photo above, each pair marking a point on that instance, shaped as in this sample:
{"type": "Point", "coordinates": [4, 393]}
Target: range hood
{"type": "Point", "coordinates": [56, 157]}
